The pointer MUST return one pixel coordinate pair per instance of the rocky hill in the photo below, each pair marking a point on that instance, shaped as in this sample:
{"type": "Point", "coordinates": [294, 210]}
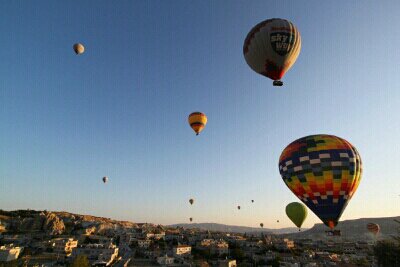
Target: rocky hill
{"type": "Point", "coordinates": [58, 223]}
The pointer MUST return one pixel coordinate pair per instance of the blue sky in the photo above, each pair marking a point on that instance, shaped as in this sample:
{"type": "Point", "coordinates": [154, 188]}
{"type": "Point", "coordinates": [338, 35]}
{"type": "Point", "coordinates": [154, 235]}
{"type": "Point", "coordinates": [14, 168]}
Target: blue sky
{"type": "Point", "coordinates": [121, 108]}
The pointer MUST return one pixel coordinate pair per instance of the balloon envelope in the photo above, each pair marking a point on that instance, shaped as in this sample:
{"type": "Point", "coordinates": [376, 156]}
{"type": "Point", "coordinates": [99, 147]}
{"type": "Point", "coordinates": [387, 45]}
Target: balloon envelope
{"type": "Point", "coordinates": [238, 207]}
{"type": "Point", "coordinates": [191, 201]}
{"type": "Point", "coordinates": [79, 48]}
{"type": "Point", "coordinates": [262, 225]}
{"type": "Point", "coordinates": [374, 228]}
{"type": "Point", "coordinates": [105, 179]}
{"type": "Point", "coordinates": [191, 219]}
{"type": "Point", "coordinates": [323, 171]}
{"type": "Point", "coordinates": [271, 47]}
{"type": "Point", "coordinates": [297, 213]}
{"type": "Point", "coordinates": [197, 121]}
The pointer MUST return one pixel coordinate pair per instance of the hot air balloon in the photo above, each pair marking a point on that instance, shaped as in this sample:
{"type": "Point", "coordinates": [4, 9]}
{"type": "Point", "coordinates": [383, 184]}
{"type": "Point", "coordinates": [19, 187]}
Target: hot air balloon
{"type": "Point", "coordinates": [272, 47]}
{"type": "Point", "coordinates": [277, 221]}
{"type": "Point", "coordinates": [79, 48]}
{"type": "Point", "coordinates": [297, 213]}
{"type": "Point", "coordinates": [191, 201]}
{"type": "Point", "coordinates": [262, 225]}
{"type": "Point", "coordinates": [323, 171]}
{"type": "Point", "coordinates": [105, 179]}
{"type": "Point", "coordinates": [191, 219]}
{"type": "Point", "coordinates": [252, 201]}
{"type": "Point", "coordinates": [373, 228]}
{"type": "Point", "coordinates": [197, 121]}
{"type": "Point", "coordinates": [238, 207]}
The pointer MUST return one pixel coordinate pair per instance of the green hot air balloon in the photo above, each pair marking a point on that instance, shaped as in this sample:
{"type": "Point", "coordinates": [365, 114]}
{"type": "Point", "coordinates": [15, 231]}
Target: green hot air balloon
{"type": "Point", "coordinates": [297, 213]}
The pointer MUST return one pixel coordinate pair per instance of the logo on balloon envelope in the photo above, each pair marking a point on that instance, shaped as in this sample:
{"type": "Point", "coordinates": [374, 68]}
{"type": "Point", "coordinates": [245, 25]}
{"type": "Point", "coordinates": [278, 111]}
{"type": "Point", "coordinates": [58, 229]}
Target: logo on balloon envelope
{"type": "Point", "coordinates": [281, 42]}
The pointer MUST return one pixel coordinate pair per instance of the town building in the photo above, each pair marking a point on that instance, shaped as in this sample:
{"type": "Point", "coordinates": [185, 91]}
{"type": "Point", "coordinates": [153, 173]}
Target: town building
{"type": "Point", "coordinates": [160, 235]}
{"type": "Point", "coordinates": [182, 250]}
{"type": "Point", "coordinates": [227, 263]}
{"type": "Point", "coordinates": [165, 260]}
{"type": "Point", "coordinates": [144, 243]}
{"type": "Point", "coordinates": [64, 246]}
{"type": "Point", "coordinates": [9, 252]}
{"type": "Point", "coordinates": [97, 253]}
{"type": "Point", "coordinates": [220, 248]}
{"type": "Point", "coordinates": [349, 248]}
{"type": "Point", "coordinates": [284, 244]}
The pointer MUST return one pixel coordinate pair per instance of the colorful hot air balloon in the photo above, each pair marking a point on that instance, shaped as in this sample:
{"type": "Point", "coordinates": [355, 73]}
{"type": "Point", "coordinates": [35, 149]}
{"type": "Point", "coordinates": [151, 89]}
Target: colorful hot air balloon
{"type": "Point", "coordinates": [191, 219]}
{"type": "Point", "coordinates": [262, 225]}
{"type": "Point", "coordinates": [105, 179]}
{"type": "Point", "coordinates": [272, 47]}
{"type": "Point", "coordinates": [297, 213]}
{"type": "Point", "coordinates": [197, 121]}
{"type": "Point", "coordinates": [191, 201]}
{"type": "Point", "coordinates": [79, 48]}
{"type": "Point", "coordinates": [238, 207]}
{"type": "Point", "coordinates": [373, 228]}
{"type": "Point", "coordinates": [323, 171]}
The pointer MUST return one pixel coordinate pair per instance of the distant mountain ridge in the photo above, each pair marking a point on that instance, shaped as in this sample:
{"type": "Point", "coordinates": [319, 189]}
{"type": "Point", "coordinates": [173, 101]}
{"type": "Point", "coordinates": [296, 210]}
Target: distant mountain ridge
{"type": "Point", "coordinates": [234, 229]}
{"type": "Point", "coordinates": [58, 223]}
{"type": "Point", "coordinates": [354, 229]}
{"type": "Point", "coordinates": [350, 229]}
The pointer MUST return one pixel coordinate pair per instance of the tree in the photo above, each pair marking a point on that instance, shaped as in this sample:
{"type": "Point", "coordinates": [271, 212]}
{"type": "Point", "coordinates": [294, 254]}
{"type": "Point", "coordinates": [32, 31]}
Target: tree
{"type": "Point", "coordinates": [387, 252]}
{"type": "Point", "coordinates": [80, 261]}
{"type": "Point", "coordinates": [361, 262]}
{"type": "Point", "coordinates": [162, 244]}
{"type": "Point", "coordinates": [117, 240]}
{"type": "Point", "coordinates": [275, 262]}
{"type": "Point", "coordinates": [238, 254]}
{"type": "Point", "coordinates": [9, 264]}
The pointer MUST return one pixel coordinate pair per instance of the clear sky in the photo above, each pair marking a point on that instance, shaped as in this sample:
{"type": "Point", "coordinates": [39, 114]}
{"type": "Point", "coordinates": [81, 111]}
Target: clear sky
{"type": "Point", "coordinates": [121, 108]}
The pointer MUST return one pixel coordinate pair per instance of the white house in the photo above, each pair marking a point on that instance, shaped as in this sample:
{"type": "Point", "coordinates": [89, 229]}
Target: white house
{"type": "Point", "coordinates": [181, 250]}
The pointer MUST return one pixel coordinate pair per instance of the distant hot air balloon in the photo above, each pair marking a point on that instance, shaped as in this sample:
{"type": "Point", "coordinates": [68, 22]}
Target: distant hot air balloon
{"type": "Point", "coordinates": [277, 221]}
{"type": "Point", "coordinates": [373, 228]}
{"type": "Point", "coordinates": [191, 201]}
{"type": "Point", "coordinates": [252, 201]}
{"type": "Point", "coordinates": [262, 225]}
{"type": "Point", "coordinates": [238, 207]}
{"type": "Point", "coordinates": [323, 171]}
{"type": "Point", "coordinates": [105, 179]}
{"type": "Point", "coordinates": [197, 121]}
{"type": "Point", "coordinates": [191, 219]}
{"type": "Point", "coordinates": [272, 47]}
{"type": "Point", "coordinates": [79, 48]}
{"type": "Point", "coordinates": [297, 213]}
